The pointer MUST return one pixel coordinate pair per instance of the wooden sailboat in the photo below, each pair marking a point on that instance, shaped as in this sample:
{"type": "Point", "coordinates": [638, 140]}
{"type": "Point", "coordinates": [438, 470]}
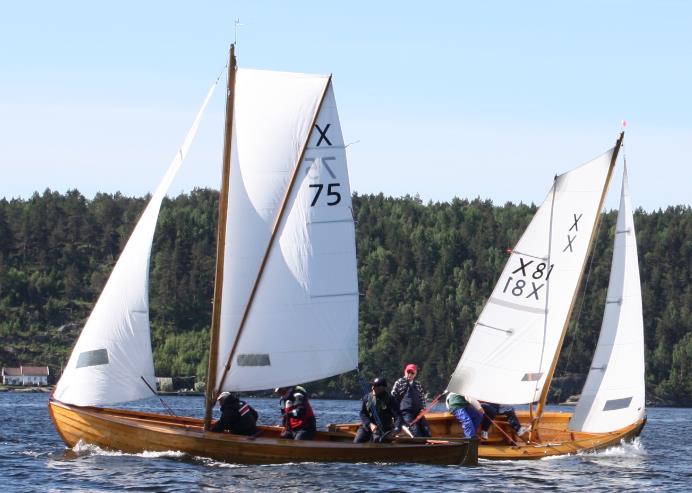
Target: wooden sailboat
{"type": "Point", "coordinates": [285, 301]}
{"type": "Point", "coordinates": [513, 350]}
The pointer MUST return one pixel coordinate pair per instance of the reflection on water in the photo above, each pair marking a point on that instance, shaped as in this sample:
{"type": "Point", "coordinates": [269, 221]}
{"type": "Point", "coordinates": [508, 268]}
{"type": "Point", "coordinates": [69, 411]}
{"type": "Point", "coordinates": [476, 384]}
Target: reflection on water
{"type": "Point", "coordinates": [34, 458]}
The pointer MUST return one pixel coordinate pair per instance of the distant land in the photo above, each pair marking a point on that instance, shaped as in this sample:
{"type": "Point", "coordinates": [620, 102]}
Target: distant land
{"type": "Point", "coordinates": [425, 271]}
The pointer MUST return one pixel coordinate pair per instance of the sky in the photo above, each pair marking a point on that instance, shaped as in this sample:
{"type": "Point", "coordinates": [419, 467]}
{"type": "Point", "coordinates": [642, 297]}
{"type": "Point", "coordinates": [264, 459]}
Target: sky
{"type": "Point", "coordinates": [439, 99]}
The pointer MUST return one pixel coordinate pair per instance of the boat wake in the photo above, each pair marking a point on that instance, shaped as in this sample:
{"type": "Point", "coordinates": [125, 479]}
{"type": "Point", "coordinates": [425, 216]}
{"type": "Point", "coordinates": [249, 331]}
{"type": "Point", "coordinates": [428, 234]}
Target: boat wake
{"type": "Point", "coordinates": [82, 449]}
{"type": "Point", "coordinates": [633, 448]}
{"type": "Point", "coordinates": [626, 449]}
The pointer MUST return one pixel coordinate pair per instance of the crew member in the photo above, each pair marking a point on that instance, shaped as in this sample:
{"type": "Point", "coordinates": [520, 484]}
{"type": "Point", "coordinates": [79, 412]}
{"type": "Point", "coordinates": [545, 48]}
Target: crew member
{"type": "Point", "coordinates": [236, 416]}
{"type": "Point", "coordinates": [298, 418]}
{"type": "Point", "coordinates": [467, 411]}
{"type": "Point", "coordinates": [379, 414]}
{"type": "Point", "coordinates": [409, 394]}
{"type": "Point", "coordinates": [492, 410]}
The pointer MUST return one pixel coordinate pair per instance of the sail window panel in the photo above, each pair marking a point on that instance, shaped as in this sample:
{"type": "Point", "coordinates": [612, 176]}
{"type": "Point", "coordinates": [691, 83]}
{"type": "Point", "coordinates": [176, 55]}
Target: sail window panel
{"type": "Point", "coordinates": [615, 404]}
{"type": "Point", "coordinates": [532, 377]}
{"type": "Point", "coordinates": [92, 358]}
{"type": "Point", "coordinates": [254, 360]}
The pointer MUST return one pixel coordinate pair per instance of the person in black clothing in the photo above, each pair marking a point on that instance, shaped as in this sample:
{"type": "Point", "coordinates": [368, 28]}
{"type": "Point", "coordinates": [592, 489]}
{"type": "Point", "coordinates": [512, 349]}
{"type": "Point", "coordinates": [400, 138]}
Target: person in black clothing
{"type": "Point", "coordinates": [379, 414]}
{"type": "Point", "coordinates": [409, 394]}
{"type": "Point", "coordinates": [492, 410]}
{"type": "Point", "coordinates": [236, 416]}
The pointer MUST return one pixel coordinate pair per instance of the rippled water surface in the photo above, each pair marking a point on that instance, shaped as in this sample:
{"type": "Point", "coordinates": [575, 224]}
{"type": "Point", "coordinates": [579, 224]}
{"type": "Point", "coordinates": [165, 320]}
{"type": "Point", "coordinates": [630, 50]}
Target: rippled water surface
{"type": "Point", "coordinates": [34, 458]}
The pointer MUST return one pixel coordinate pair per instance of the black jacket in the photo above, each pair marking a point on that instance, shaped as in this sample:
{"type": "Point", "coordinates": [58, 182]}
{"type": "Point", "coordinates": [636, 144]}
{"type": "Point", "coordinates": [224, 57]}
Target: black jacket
{"type": "Point", "coordinates": [410, 396]}
{"type": "Point", "coordinates": [237, 417]}
{"type": "Point", "coordinates": [384, 406]}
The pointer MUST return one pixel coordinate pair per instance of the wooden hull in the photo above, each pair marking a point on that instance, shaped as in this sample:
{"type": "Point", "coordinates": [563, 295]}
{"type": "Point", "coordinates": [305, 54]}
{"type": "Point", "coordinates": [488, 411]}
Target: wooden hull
{"type": "Point", "coordinates": [135, 432]}
{"type": "Point", "coordinates": [552, 437]}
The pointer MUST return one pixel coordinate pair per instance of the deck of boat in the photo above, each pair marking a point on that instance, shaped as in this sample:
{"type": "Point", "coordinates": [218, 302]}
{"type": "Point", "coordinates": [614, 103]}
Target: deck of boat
{"type": "Point", "coordinates": [135, 432]}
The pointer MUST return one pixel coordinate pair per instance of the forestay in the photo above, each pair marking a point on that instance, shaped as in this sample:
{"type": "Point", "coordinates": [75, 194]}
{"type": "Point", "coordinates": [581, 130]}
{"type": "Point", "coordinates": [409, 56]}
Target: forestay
{"type": "Point", "coordinates": [513, 343]}
{"type": "Point", "coordinates": [303, 320]}
{"type": "Point", "coordinates": [113, 352]}
{"type": "Point", "coordinates": [613, 395]}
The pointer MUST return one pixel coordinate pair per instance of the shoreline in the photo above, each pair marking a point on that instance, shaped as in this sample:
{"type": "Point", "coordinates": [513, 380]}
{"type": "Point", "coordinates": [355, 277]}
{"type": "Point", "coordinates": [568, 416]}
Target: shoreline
{"type": "Point", "coordinates": [49, 389]}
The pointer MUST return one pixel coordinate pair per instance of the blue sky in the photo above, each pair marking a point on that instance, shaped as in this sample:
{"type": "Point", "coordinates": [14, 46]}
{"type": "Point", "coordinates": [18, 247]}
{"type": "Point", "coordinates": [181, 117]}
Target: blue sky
{"type": "Point", "coordinates": [444, 99]}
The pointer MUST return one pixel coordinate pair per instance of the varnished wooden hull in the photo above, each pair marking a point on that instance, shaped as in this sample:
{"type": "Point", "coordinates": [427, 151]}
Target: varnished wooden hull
{"type": "Point", "coordinates": [135, 432]}
{"type": "Point", "coordinates": [552, 438]}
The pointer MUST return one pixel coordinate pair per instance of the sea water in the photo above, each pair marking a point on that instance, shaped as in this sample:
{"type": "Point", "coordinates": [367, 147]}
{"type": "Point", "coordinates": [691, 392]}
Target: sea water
{"type": "Point", "coordinates": [34, 458]}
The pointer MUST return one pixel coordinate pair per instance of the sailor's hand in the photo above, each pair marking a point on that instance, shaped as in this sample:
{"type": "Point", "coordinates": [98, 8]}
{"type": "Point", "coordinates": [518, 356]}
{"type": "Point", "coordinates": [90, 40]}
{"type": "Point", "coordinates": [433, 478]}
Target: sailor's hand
{"type": "Point", "coordinates": [373, 427]}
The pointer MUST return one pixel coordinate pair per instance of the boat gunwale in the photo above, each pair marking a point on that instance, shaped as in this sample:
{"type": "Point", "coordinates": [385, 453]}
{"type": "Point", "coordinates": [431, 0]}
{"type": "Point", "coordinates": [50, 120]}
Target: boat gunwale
{"type": "Point", "coordinates": [166, 425]}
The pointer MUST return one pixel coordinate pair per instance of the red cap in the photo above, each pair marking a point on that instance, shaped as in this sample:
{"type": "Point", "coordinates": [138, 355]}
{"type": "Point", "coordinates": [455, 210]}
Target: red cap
{"type": "Point", "coordinates": [411, 366]}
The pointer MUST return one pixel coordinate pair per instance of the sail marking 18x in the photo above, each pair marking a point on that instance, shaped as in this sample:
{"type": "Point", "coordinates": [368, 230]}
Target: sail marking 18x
{"type": "Point", "coordinates": [513, 343]}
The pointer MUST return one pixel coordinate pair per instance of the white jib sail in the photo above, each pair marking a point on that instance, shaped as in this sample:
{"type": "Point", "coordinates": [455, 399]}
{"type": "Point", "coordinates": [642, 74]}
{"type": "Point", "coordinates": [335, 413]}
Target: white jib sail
{"type": "Point", "coordinates": [613, 395]}
{"type": "Point", "coordinates": [303, 323]}
{"type": "Point", "coordinates": [516, 336]}
{"type": "Point", "coordinates": [113, 352]}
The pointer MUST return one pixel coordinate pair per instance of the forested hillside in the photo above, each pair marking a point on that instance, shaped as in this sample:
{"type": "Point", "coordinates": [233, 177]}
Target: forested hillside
{"type": "Point", "coordinates": [425, 271]}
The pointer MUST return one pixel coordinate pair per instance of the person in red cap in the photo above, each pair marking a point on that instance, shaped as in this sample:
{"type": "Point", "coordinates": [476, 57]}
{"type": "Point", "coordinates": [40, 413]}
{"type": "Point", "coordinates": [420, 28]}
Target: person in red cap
{"type": "Point", "coordinates": [409, 393]}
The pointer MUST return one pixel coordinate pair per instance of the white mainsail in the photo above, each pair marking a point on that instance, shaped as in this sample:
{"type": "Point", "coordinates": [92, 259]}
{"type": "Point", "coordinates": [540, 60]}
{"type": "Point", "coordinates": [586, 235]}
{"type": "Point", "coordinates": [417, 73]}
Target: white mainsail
{"type": "Point", "coordinates": [113, 352]}
{"type": "Point", "coordinates": [303, 321]}
{"type": "Point", "coordinates": [517, 335]}
{"type": "Point", "coordinates": [613, 395]}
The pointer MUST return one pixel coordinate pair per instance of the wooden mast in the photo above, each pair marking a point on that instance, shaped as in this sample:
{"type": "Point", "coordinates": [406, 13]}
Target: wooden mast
{"type": "Point", "coordinates": [553, 365]}
{"type": "Point", "coordinates": [210, 395]}
{"type": "Point", "coordinates": [275, 229]}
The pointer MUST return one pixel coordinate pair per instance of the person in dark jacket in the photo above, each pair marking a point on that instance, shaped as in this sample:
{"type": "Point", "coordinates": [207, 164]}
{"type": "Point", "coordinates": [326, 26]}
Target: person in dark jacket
{"type": "Point", "coordinates": [379, 414]}
{"type": "Point", "coordinates": [492, 410]}
{"type": "Point", "coordinates": [298, 418]}
{"type": "Point", "coordinates": [408, 392]}
{"type": "Point", "coordinates": [236, 416]}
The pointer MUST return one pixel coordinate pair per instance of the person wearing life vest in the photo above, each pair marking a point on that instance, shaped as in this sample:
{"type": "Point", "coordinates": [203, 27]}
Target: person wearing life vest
{"type": "Point", "coordinates": [379, 414]}
{"type": "Point", "coordinates": [298, 418]}
{"type": "Point", "coordinates": [236, 416]}
{"type": "Point", "coordinates": [467, 411]}
{"type": "Point", "coordinates": [409, 394]}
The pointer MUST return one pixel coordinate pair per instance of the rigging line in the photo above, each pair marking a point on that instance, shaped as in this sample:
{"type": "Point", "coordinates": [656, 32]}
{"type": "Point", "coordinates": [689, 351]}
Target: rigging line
{"type": "Point", "coordinates": [168, 408]}
{"type": "Point", "coordinates": [428, 409]}
{"type": "Point", "coordinates": [547, 287]}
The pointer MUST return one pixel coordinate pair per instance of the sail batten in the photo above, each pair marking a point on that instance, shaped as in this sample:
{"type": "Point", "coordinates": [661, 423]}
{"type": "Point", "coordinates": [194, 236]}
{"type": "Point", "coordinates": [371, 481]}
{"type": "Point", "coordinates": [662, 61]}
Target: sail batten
{"type": "Point", "coordinates": [613, 394]}
{"type": "Point", "coordinates": [531, 300]}
{"type": "Point", "coordinates": [113, 353]}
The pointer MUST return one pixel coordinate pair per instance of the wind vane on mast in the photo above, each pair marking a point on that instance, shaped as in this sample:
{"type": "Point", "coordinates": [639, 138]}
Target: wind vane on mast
{"type": "Point", "coordinates": [235, 31]}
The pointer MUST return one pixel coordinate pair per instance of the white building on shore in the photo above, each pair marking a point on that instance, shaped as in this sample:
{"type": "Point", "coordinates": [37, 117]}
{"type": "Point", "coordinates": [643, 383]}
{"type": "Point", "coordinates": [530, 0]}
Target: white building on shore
{"type": "Point", "coordinates": [25, 375]}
